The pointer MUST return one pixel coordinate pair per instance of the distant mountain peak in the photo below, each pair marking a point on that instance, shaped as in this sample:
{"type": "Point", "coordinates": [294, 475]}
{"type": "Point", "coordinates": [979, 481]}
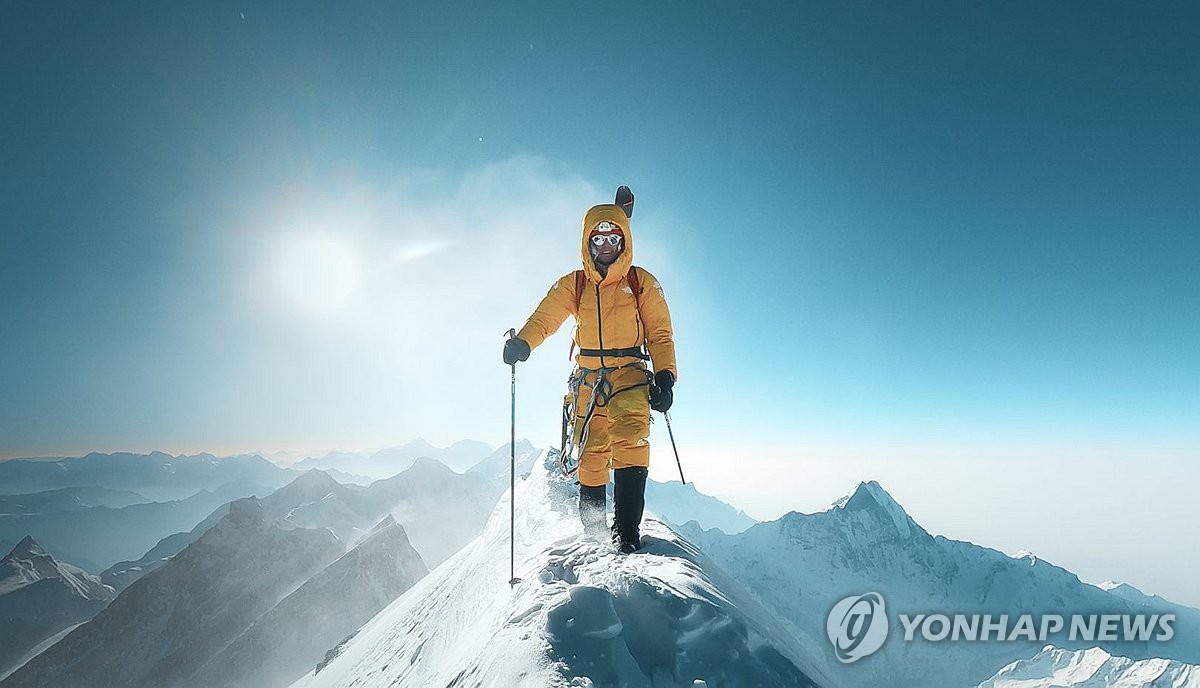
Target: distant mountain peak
{"type": "Point", "coordinates": [27, 548]}
{"type": "Point", "coordinates": [310, 486]}
{"type": "Point", "coordinates": [1112, 585]}
{"type": "Point", "coordinates": [29, 563]}
{"type": "Point", "coordinates": [387, 522]}
{"type": "Point", "coordinates": [870, 497]}
{"type": "Point", "coordinates": [316, 477]}
{"type": "Point", "coordinates": [1128, 592]}
{"type": "Point", "coordinates": [426, 464]}
{"type": "Point", "coordinates": [245, 512]}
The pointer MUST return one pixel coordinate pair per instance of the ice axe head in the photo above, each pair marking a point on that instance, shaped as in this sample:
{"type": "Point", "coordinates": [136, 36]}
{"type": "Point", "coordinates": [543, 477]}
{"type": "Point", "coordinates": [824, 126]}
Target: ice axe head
{"type": "Point", "coordinates": [625, 200]}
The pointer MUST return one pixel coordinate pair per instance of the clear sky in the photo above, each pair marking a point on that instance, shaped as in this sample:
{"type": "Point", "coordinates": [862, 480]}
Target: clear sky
{"type": "Point", "coordinates": [952, 246]}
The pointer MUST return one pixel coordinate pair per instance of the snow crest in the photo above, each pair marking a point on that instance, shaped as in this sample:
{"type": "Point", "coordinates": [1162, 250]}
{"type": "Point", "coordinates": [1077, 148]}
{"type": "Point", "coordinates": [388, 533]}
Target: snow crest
{"type": "Point", "coordinates": [581, 614]}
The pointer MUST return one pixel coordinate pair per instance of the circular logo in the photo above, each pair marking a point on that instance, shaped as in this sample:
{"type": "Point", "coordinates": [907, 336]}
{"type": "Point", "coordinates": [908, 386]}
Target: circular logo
{"type": "Point", "coordinates": [857, 626]}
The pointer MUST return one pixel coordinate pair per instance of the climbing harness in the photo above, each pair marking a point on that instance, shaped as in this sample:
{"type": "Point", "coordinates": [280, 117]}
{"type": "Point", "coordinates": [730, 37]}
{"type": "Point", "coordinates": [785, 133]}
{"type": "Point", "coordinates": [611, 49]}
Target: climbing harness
{"type": "Point", "coordinates": [602, 393]}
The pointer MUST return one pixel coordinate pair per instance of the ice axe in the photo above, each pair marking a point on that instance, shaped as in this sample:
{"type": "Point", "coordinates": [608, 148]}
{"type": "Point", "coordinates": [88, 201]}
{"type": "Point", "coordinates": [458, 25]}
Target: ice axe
{"type": "Point", "coordinates": [625, 200]}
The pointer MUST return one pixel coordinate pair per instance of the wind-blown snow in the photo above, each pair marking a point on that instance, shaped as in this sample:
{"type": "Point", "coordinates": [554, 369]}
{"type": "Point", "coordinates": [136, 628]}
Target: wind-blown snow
{"type": "Point", "coordinates": [581, 615]}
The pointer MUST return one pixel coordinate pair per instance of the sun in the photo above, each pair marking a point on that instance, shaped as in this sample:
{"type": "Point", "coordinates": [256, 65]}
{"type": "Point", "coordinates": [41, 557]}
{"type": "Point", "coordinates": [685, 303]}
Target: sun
{"type": "Point", "coordinates": [317, 273]}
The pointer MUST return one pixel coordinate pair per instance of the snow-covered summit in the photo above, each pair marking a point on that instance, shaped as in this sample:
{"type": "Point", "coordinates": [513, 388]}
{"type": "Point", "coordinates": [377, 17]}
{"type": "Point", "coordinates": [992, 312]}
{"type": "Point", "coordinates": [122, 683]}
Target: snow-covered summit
{"type": "Point", "coordinates": [26, 547]}
{"type": "Point", "coordinates": [1093, 668]}
{"type": "Point", "coordinates": [871, 500]}
{"type": "Point", "coordinates": [580, 615]}
{"type": "Point", "coordinates": [29, 563]}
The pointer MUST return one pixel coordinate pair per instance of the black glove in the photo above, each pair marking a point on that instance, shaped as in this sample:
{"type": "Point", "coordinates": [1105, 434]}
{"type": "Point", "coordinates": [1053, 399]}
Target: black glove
{"type": "Point", "coordinates": [660, 392]}
{"type": "Point", "coordinates": [515, 349]}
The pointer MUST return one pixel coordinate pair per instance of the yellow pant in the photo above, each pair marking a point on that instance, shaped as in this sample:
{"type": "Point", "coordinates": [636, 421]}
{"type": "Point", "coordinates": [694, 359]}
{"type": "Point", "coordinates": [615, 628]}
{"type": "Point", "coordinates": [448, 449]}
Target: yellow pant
{"type": "Point", "coordinates": [619, 434]}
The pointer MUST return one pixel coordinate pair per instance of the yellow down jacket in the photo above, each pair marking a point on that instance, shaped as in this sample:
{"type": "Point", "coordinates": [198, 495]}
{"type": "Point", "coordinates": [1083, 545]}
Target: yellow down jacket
{"type": "Point", "coordinates": [608, 315]}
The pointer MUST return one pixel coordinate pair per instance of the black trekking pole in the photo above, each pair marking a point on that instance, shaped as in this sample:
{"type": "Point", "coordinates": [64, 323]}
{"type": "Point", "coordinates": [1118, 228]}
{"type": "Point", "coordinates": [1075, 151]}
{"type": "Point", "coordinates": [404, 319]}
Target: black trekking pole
{"type": "Point", "coordinates": [673, 447]}
{"type": "Point", "coordinates": [512, 478]}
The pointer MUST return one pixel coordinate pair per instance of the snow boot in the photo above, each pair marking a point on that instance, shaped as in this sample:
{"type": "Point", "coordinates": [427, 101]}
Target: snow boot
{"type": "Point", "coordinates": [593, 509]}
{"type": "Point", "coordinates": [629, 500]}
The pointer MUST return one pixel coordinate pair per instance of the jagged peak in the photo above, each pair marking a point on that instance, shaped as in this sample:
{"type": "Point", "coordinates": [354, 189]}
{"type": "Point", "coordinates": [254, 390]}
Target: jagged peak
{"type": "Point", "coordinates": [27, 548]}
{"type": "Point", "coordinates": [870, 497]}
{"type": "Point", "coordinates": [245, 512]}
{"type": "Point", "coordinates": [388, 528]}
{"type": "Point", "coordinates": [387, 522]}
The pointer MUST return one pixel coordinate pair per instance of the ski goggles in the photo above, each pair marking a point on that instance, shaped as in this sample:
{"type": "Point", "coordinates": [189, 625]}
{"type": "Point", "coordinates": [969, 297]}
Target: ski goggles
{"type": "Point", "coordinates": [607, 231]}
{"type": "Point", "coordinates": [600, 239]}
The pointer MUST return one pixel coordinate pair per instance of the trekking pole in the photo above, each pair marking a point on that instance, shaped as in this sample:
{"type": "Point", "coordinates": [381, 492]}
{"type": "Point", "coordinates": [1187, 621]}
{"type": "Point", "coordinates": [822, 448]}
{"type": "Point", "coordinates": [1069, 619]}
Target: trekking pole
{"type": "Point", "coordinates": [673, 447]}
{"type": "Point", "coordinates": [512, 478]}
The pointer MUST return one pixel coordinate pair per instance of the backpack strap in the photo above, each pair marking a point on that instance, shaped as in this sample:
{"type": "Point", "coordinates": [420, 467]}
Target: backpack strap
{"type": "Point", "coordinates": [635, 287]}
{"type": "Point", "coordinates": [580, 283]}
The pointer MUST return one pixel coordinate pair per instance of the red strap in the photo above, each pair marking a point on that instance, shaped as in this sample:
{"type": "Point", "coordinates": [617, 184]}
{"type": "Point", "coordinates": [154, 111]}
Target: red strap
{"type": "Point", "coordinates": [580, 283]}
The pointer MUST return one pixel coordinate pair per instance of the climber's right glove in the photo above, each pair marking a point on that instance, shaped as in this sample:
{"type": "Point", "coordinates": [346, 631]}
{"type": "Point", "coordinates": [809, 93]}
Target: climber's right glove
{"type": "Point", "coordinates": [660, 392]}
{"type": "Point", "coordinates": [515, 349]}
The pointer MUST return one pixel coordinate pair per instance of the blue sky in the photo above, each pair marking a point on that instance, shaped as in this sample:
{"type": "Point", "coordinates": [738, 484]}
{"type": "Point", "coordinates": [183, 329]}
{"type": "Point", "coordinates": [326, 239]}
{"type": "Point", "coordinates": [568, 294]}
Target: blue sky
{"type": "Point", "coordinates": [888, 234]}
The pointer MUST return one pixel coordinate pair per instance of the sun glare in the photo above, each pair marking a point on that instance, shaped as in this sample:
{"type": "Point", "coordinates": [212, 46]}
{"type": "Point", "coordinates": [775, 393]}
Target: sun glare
{"type": "Point", "coordinates": [317, 273]}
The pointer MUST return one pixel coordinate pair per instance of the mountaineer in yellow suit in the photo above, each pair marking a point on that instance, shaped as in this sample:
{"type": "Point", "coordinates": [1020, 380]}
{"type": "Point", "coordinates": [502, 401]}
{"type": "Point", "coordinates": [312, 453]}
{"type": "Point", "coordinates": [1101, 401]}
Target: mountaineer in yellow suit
{"type": "Point", "coordinates": [612, 323]}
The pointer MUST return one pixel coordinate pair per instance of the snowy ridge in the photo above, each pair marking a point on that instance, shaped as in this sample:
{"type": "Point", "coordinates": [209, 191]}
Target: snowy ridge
{"type": "Point", "coordinates": [284, 643]}
{"type": "Point", "coordinates": [801, 564]}
{"type": "Point", "coordinates": [1093, 668]}
{"type": "Point", "coordinates": [581, 615]}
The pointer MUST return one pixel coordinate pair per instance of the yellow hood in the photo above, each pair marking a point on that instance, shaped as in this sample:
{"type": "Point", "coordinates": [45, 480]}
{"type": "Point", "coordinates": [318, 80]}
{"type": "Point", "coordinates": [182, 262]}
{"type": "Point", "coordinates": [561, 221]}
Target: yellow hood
{"type": "Point", "coordinates": [616, 215]}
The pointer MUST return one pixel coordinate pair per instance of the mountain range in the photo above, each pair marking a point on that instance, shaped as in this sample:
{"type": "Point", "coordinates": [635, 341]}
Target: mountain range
{"type": "Point", "coordinates": [1093, 668]}
{"type": "Point", "coordinates": [405, 581]}
{"type": "Point", "coordinates": [384, 463]}
{"type": "Point", "coordinates": [800, 565]}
